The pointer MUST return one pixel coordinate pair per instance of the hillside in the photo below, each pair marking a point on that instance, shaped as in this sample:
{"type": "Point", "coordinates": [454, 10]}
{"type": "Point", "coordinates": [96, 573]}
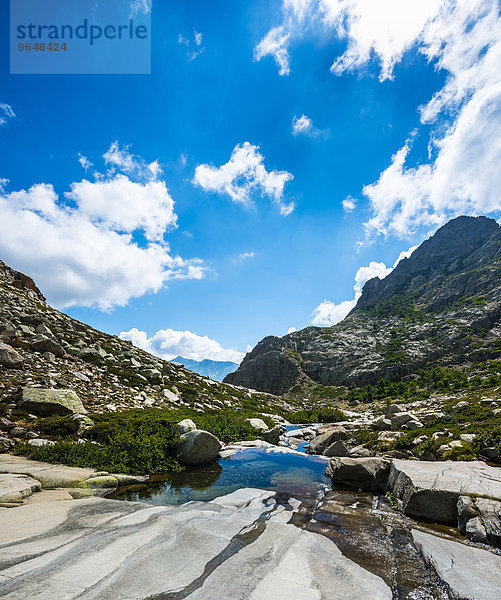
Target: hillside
{"type": "Point", "coordinates": [438, 309]}
{"type": "Point", "coordinates": [40, 346]}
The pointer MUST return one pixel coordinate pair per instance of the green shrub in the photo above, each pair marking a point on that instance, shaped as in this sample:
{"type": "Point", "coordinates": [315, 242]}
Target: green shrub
{"type": "Point", "coordinates": [464, 452]}
{"type": "Point", "coordinates": [57, 426]}
{"type": "Point", "coordinates": [316, 415]}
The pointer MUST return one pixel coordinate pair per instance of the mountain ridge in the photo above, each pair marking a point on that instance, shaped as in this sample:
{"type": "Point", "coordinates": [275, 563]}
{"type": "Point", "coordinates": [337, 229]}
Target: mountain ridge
{"type": "Point", "coordinates": [443, 304]}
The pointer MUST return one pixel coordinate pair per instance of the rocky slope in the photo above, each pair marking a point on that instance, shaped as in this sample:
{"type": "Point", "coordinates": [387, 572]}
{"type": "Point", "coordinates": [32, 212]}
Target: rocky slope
{"type": "Point", "coordinates": [42, 347]}
{"type": "Point", "coordinates": [441, 306]}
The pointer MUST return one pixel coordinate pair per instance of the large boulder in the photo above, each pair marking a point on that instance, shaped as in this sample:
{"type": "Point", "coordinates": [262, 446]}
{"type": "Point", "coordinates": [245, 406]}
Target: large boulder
{"type": "Point", "coordinates": [337, 449]}
{"type": "Point", "coordinates": [46, 344]}
{"type": "Point", "coordinates": [9, 357]}
{"type": "Point", "coordinates": [185, 426]}
{"type": "Point", "coordinates": [198, 447]}
{"type": "Point", "coordinates": [432, 489]}
{"type": "Point", "coordinates": [258, 424]}
{"type": "Point", "coordinates": [273, 435]}
{"type": "Point", "coordinates": [45, 402]}
{"type": "Point", "coordinates": [321, 442]}
{"type": "Point", "coordinates": [366, 473]}
{"type": "Point", "coordinates": [479, 519]}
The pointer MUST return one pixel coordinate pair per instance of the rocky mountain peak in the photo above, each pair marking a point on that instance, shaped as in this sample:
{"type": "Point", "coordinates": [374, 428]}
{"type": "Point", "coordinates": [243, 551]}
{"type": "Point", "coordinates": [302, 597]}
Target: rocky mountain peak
{"type": "Point", "coordinates": [448, 251]}
{"type": "Point", "coordinates": [440, 306]}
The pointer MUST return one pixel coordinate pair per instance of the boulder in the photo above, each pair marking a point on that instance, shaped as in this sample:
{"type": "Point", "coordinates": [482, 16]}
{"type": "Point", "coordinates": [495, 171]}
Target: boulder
{"type": "Point", "coordinates": [273, 435]}
{"type": "Point", "coordinates": [46, 344]}
{"type": "Point", "coordinates": [336, 449]}
{"type": "Point", "coordinates": [45, 402]}
{"type": "Point", "coordinates": [198, 447]}
{"type": "Point", "coordinates": [366, 473]}
{"type": "Point", "coordinates": [258, 424]}
{"type": "Point", "coordinates": [414, 424]}
{"type": "Point", "coordinates": [9, 357]}
{"type": "Point", "coordinates": [382, 424]}
{"type": "Point", "coordinates": [15, 487]}
{"type": "Point", "coordinates": [185, 426]}
{"type": "Point", "coordinates": [321, 442]}
{"type": "Point", "coordinates": [5, 444]}
{"type": "Point", "coordinates": [393, 409]}
{"type": "Point", "coordinates": [432, 489]}
{"type": "Point", "coordinates": [399, 419]}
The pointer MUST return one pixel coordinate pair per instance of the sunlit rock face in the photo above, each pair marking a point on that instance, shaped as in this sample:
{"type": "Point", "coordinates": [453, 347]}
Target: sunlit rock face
{"type": "Point", "coordinates": [442, 305]}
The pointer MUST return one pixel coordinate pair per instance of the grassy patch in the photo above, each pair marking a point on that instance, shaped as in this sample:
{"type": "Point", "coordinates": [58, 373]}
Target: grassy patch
{"type": "Point", "coordinates": [316, 415]}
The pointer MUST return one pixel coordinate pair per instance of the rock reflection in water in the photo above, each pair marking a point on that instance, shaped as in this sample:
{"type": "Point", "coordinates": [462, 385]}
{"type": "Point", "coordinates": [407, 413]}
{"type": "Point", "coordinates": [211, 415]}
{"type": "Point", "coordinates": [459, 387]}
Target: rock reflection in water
{"type": "Point", "coordinates": [286, 473]}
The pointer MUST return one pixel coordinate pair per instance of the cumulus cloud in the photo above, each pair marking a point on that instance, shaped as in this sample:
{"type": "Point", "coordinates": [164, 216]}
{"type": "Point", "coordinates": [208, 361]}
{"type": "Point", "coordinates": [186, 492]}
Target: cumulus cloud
{"type": "Point", "coordinates": [463, 40]}
{"type": "Point", "coordinates": [329, 313]}
{"type": "Point", "coordinates": [6, 113]}
{"type": "Point", "coordinates": [242, 176]}
{"type": "Point", "coordinates": [125, 205]}
{"type": "Point", "coordinates": [169, 343]}
{"type": "Point", "coordinates": [349, 204]}
{"type": "Point", "coordinates": [81, 247]}
{"type": "Point", "coordinates": [303, 125]}
{"type": "Point", "coordinates": [291, 330]}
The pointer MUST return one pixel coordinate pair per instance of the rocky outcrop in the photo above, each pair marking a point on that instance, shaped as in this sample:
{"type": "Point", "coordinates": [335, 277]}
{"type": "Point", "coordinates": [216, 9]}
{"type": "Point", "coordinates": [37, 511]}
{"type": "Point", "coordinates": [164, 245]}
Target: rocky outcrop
{"type": "Point", "coordinates": [440, 306]}
{"type": "Point", "coordinates": [51, 402]}
{"type": "Point", "coordinates": [197, 447]}
{"type": "Point", "coordinates": [131, 550]}
{"type": "Point", "coordinates": [467, 494]}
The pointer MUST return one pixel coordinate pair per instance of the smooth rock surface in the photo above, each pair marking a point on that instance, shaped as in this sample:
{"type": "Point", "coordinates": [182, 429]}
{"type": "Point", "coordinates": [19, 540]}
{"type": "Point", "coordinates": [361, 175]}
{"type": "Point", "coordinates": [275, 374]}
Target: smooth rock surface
{"type": "Point", "coordinates": [470, 572]}
{"type": "Point", "coordinates": [238, 546]}
{"type": "Point", "coordinates": [14, 488]}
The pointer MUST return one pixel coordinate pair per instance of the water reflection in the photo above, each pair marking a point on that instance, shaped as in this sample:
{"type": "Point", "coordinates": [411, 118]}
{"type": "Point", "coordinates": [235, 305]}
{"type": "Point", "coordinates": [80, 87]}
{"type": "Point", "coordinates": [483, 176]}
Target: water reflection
{"type": "Point", "coordinates": [288, 473]}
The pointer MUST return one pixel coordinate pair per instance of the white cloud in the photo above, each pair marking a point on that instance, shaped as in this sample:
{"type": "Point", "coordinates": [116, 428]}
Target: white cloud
{"type": "Point", "coordinates": [405, 254]}
{"type": "Point", "coordinates": [349, 204]}
{"type": "Point", "coordinates": [140, 7]}
{"type": "Point", "coordinates": [303, 125]}
{"type": "Point", "coordinates": [169, 343]}
{"type": "Point", "coordinates": [244, 256]}
{"type": "Point", "coordinates": [193, 46]}
{"type": "Point", "coordinates": [275, 44]}
{"type": "Point", "coordinates": [125, 205]}
{"type": "Point", "coordinates": [462, 38]}
{"type": "Point", "coordinates": [6, 113]}
{"type": "Point", "coordinates": [121, 159]}
{"type": "Point", "coordinates": [83, 252]}
{"type": "Point", "coordinates": [329, 313]}
{"type": "Point", "coordinates": [85, 162]}
{"type": "Point", "coordinates": [291, 330]}
{"type": "Point", "coordinates": [243, 175]}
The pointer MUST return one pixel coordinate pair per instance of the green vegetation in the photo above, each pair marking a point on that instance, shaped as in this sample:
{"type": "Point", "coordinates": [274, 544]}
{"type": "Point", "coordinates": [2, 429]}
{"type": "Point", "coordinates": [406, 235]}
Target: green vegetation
{"type": "Point", "coordinates": [399, 305]}
{"type": "Point", "coordinates": [57, 426]}
{"type": "Point", "coordinates": [317, 415]}
{"type": "Point", "coordinates": [136, 441]}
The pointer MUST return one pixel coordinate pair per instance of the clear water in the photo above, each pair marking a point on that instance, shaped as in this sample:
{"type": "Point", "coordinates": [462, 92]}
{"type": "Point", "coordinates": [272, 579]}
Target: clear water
{"type": "Point", "coordinates": [292, 474]}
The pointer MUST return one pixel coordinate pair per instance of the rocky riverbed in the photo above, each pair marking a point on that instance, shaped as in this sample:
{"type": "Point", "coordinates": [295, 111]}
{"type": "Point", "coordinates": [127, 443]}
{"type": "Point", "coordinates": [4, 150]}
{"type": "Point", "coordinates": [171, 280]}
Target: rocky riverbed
{"type": "Point", "coordinates": [255, 544]}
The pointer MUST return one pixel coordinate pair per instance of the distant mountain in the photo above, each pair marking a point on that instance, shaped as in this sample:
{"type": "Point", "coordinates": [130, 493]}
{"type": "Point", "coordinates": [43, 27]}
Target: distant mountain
{"type": "Point", "coordinates": [441, 306]}
{"type": "Point", "coordinates": [214, 369]}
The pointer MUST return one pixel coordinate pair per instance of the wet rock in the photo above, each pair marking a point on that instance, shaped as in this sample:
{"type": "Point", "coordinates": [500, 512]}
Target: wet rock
{"type": "Point", "coordinates": [198, 447]}
{"type": "Point", "coordinates": [9, 357]}
{"type": "Point", "coordinates": [45, 402]}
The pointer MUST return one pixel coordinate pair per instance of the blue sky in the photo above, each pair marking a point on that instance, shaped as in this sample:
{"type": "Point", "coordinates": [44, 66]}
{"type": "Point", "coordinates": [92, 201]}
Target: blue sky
{"type": "Point", "coordinates": [392, 129]}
